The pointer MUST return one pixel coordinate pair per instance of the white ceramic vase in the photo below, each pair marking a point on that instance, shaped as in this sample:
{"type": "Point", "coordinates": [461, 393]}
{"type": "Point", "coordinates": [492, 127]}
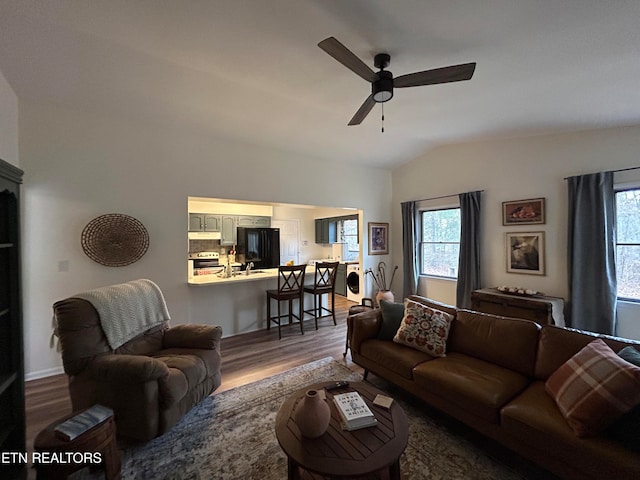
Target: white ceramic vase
{"type": "Point", "coordinates": [312, 415]}
{"type": "Point", "coordinates": [384, 295]}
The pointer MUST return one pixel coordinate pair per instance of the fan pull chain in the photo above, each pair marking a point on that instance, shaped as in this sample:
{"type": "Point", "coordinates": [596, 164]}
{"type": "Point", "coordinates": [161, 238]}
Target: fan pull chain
{"type": "Point", "coordinates": [382, 120]}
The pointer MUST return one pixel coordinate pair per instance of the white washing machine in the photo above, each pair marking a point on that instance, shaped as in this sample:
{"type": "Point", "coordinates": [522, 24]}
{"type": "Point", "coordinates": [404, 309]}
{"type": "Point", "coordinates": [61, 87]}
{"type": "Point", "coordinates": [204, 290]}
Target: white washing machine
{"type": "Point", "coordinates": [354, 292]}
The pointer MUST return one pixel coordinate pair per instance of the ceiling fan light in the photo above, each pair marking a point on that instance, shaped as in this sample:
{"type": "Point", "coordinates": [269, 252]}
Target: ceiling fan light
{"type": "Point", "coordinates": [382, 89]}
{"type": "Point", "coordinates": [382, 96]}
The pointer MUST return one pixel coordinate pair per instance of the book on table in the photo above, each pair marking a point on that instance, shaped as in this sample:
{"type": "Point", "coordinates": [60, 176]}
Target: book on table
{"type": "Point", "coordinates": [83, 422]}
{"type": "Point", "coordinates": [354, 412]}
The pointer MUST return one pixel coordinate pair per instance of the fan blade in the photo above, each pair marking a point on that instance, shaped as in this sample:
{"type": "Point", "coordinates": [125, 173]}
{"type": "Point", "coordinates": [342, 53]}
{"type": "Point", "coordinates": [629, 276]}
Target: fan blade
{"type": "Point", "coordinates": [363, 111]}
{"type": "Point", "coordinates": [455, 73]}
{"type": "Point", "coordinates": [346, 57]}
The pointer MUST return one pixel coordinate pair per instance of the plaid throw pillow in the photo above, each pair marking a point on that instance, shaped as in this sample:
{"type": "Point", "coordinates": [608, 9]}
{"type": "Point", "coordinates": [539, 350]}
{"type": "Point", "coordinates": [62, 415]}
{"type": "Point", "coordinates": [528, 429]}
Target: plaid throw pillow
{"type": "Point", "coordinates": [594, 388]}
{"type": "Point", "coordinates": [424, 328]}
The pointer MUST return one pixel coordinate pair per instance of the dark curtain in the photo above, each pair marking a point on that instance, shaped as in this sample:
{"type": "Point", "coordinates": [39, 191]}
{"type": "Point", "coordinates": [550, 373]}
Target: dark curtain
{"type": "Point", "coordinates": [591, 253]}
{"type": "Point", "coordinates": [469, 258]}
{"type": "Point", "coordinates": [410, 242]}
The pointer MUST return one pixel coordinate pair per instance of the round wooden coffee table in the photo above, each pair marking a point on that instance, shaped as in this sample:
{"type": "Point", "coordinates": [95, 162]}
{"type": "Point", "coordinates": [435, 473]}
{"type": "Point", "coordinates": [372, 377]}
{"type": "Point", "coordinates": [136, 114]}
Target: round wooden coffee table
{"type": "Point", "coordinates": [340, 453]}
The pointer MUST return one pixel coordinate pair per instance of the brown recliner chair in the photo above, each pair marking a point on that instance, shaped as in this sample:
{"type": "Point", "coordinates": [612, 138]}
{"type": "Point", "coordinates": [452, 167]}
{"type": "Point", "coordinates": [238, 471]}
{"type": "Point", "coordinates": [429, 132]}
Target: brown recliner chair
{"type": "Point", "coordinates": [152, 379]}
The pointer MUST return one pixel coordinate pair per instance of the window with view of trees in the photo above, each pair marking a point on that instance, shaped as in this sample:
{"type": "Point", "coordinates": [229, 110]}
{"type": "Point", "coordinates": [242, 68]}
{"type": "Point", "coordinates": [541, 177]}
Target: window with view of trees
{"type": "Point", "coordinates": [628, 243]}
{"type": "Point", "coordinates": [349, 231]}
{"type": "Point", "coordinates": [440, 245]}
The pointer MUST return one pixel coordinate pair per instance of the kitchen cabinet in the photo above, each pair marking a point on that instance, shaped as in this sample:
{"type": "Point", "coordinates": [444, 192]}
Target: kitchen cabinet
{"type": "Point", "coordinates": [204, 222]}
{"type": "Point", "coordinates": [228, 230]}
{"type": "Point", "coordinates": [196, 222]}
{"type": "Point", "coordinates": [212, 223]}
{"type": "Point", "coordinates": [326, 230]}
{"type": "Point", "coordinates": [341, 280]}
{"type": "Point", "coordinates": [253, 221]}
{"type": "Point", "coordinates": [12, 409]}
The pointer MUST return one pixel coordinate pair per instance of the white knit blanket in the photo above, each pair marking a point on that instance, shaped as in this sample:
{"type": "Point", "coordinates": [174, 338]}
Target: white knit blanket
{"type": "Point", "coordinates": [127, 309]}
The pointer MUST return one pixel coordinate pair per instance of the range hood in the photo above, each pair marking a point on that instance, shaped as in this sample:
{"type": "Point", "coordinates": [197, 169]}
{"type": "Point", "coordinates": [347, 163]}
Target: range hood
{"type": "Point", "coordinates": [205, 236]}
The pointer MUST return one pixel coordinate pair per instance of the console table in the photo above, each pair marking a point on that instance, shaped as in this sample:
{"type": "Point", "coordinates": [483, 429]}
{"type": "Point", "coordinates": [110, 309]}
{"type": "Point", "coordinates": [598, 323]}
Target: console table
{"type": "Point", "coordinates": [541, 309]}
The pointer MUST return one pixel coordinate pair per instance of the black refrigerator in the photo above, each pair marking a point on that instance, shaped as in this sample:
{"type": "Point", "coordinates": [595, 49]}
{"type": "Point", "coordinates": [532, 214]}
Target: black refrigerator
{"type": "Point", "coordinates": [260, 246]}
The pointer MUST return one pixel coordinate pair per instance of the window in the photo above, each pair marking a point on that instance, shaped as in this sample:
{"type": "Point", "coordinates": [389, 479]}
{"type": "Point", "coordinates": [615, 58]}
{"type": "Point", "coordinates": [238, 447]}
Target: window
{"type": "Point", "coordinates": [440, 245]}
{"type": "Point", "coordinates": [628, 243]}
{"type": "Point", "coordinates": [349, 230]}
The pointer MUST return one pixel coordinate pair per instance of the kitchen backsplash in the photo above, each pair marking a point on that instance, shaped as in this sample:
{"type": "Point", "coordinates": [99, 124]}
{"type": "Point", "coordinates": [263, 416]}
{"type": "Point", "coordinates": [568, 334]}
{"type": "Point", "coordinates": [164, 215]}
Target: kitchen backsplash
{"type": "Point", "coordinates": [204, 246]}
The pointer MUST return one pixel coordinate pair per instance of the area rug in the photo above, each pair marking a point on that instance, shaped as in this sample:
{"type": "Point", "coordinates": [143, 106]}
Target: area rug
{"type": "Point", "coordinates": [230, 436]}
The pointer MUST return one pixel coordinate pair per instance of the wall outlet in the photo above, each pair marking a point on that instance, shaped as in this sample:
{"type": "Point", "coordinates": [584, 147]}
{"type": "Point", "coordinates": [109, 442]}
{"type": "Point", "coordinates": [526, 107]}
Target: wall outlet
{"type": "Point", "coordinates": [63, 266]}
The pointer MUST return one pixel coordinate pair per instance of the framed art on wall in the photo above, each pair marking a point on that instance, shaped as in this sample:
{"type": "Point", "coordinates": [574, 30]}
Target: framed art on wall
{"type": "Point", "coordinates": [378, 238]}
{"type": "Point", "coordinates": [523, 212]}
{"type": "Point", "coordinates": [525, 252]}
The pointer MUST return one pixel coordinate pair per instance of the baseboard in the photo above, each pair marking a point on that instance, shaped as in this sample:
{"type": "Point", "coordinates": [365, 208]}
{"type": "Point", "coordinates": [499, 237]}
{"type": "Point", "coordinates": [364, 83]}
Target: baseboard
{"type": "Point", "coordinates": [49, 372]}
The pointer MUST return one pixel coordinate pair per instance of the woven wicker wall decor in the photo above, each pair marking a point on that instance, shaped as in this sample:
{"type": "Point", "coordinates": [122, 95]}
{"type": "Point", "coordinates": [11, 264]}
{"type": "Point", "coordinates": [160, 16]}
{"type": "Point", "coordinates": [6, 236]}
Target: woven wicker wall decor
{"type": "Point", "coordinates": [115, 240]}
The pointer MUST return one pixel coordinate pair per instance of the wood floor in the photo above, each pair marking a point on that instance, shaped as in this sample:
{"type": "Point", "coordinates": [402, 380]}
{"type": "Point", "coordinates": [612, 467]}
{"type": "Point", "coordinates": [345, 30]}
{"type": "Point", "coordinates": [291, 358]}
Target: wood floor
{"type": "Point", "coordinates": [245, 358]}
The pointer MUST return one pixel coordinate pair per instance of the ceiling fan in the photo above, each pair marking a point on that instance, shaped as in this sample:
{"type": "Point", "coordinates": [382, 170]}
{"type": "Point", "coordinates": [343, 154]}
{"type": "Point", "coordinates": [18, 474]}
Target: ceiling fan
{"type": "Point", "coordinates": [382, 82]}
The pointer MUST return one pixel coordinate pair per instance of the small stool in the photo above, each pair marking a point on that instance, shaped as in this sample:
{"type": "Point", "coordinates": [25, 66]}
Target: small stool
{"type": "Point", "coordinates": [101, 438]}
{"type": "Point", "coordinates": [367, 304]}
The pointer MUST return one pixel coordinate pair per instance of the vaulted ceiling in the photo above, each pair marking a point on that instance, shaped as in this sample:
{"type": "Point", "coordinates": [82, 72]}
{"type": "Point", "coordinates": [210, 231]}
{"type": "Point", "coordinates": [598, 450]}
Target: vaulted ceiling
{"type": "Point", "coordinates": [251, 70]}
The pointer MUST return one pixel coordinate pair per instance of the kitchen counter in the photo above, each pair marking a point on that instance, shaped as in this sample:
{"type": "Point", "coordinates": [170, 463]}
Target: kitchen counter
{"type": "Point", "coordinates": [241, 277]}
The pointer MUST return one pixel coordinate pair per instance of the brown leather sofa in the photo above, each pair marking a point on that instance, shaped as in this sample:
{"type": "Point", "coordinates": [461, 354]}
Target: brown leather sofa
{"type": "Point", "coordinates": [492, 379]}
{"type": "Point", "coordinates": [150, 382]}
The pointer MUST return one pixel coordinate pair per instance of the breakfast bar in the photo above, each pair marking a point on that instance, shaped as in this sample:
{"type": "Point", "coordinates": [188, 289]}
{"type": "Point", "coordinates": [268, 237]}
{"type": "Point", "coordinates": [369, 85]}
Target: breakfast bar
{"type": "Point", "coordinates": [242, 276]}
{"type": "Point", "coordinates": [239, 302]}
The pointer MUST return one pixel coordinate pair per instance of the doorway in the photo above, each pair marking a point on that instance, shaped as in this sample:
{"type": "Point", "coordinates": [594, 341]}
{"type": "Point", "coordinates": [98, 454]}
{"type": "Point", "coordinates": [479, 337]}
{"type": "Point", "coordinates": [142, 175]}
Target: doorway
{"type": "Point", "coordinates": [289, 240]}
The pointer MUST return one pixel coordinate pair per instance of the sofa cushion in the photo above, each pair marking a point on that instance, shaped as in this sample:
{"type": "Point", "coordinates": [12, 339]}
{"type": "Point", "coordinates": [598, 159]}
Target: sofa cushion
{"type": "Point", "coordinates": [424, 328]}
{"type": "Point", "coordinates": [473, 384]}
{"type": "Point", "coordinates": [195, 364]}
{"type": "Point", "coordinates": [626, 429]}
{"type": "Point", "coordinates": [443, 307]}
{"type": "Point", "coordinates": [507, 342]}
{"type": "Point", "coordinates": [392, 314]}
{"type": "Point", "coordinates": [172, 388]}
{"type": "Point", "coordinates": [534, 419]}
{"type": "Point", "coordinates": [557, 345]}
{"type": "Point", "coordinates": [393, 356]}
{"type": "Point", "coordinates": [594, 388]}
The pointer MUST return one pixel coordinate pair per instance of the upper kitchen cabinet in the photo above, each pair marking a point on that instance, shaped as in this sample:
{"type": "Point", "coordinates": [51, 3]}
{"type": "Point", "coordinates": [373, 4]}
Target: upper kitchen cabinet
{"type": "Point", "coordinates": [253, 221]}
{"type": "Point", "coordinates": [212, 223]}
{"type": "Point", "coordinates": [228, 235]}
{"type": "Point", "coordinates": [204, 222]}
{"type": "Point", "coordinates": [326, 230]}
{"type": "Point", "coordinates": [196, 222]}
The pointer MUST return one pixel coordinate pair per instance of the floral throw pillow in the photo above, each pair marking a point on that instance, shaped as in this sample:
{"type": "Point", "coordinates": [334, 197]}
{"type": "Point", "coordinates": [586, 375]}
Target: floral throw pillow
{"type": "Point", "coordinates": [424, 328]}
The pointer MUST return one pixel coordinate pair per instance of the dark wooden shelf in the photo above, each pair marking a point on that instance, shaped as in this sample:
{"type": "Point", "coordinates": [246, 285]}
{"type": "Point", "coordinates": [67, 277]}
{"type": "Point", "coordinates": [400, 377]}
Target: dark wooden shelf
{"type": "Point", "coordinates": [12, 408]}
{"type": "Point", "coordinates": [6, 379]}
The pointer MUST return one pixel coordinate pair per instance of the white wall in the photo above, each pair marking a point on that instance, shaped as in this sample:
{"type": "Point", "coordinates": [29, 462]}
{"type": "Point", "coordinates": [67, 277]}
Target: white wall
{"type": "Point", "coordinates": [8, 123]}
{"type": "Point", "coordinates": [510, 170]}
{"type": "Point", "coordinates": [308, 249]}
{"type": "Point", "coordinates": [79, 166]}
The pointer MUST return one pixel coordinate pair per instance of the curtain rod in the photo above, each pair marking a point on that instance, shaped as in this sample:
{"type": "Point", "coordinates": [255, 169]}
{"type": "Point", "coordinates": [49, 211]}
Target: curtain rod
{"type": "Point", "coordinates": [443, 196]}
{"type": "Point", "coordinates": [613, 171]}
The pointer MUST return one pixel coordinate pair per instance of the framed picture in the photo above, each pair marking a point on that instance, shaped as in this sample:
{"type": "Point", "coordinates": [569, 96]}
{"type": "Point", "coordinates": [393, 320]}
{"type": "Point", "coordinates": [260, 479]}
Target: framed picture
{"type": "Point", "coordinates": [525, 252]}
{"type": "Point", "coordinates": [378, 238]}
{"type": "Point", "coordinates": [523, 212]}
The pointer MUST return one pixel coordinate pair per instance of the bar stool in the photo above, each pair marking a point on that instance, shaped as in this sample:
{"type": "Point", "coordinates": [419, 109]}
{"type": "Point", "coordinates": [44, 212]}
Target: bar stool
{"type": "Point", "coordinates": [290, 285]}
{"type": "Point", "coordinates": [324, 282]}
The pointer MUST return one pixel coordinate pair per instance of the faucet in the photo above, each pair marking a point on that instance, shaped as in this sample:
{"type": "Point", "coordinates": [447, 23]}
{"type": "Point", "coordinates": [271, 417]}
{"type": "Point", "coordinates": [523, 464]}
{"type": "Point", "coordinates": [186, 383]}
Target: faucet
{"type": "Point", "coordinates": [250, 265]}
